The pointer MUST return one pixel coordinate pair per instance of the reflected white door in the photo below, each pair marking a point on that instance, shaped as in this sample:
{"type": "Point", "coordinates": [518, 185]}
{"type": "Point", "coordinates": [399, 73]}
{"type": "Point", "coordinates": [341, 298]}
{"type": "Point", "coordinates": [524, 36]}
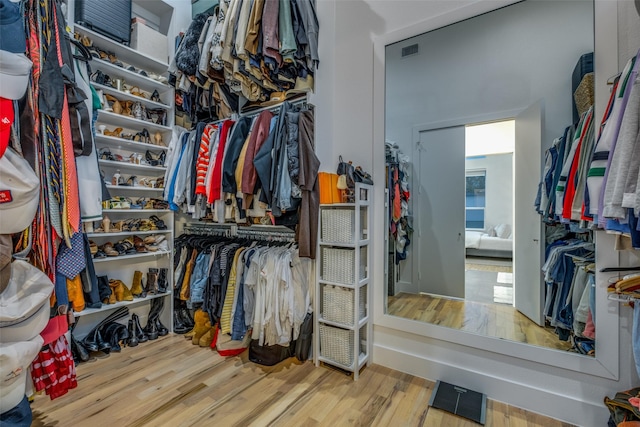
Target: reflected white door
{"type": "Point", "coordinates": [439, 211]}
{"type": "Point", "coordinates": [527, 235]}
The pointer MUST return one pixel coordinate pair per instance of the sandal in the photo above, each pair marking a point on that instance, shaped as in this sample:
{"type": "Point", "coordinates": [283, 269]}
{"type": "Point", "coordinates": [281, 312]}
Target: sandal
{"type": "Point", "coordinates": [142, 136]}
{"type": "Point", "coordinates": [160, 225]}
{"type": "Point", "coordinates": [135, 91]}
{"type": "Point", "coordinates": [93, 247]}
{"type": "Point", "coordinates": [139, 245]}
{"type": "Point", "coordinates": [126, 108]}
{"type": "Point", "coordinates": [105, 154]}
{"type": "Point", "coordinates": [109, 250]}
{"type": "Point", "coordinates": [116, 132]}
{"type": "Point", "coordinates": [114, 60]}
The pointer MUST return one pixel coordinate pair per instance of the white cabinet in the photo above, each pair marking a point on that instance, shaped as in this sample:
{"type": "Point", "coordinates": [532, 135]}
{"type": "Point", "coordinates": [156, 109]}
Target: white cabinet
{"type": "Point", "coordinates": [343, 327]}
{"type": "Point", "coordinates": [139, 163]}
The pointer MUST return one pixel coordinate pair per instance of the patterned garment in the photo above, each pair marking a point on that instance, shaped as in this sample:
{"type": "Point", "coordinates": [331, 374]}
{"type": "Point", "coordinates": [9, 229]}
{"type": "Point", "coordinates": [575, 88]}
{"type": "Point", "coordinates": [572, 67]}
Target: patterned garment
{"type": "Point", "coordinates": [54, 370]}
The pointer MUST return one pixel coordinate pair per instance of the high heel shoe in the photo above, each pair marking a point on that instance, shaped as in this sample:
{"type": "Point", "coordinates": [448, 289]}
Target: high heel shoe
{"type": "Point", "coordinates": [116, 132]}
{"type": "Point", "coordinates": [135, 91]}
{"type": "Point", "coordinates": [155, 96]}
{"type": "Point", "coordinates": [106, 224]}
{"type": "Point", "coordinates": [115, 104]}
{"type": "Point", "coordinates": [157, 139]}
{"type": "Point", "coordinates": [142, 136]}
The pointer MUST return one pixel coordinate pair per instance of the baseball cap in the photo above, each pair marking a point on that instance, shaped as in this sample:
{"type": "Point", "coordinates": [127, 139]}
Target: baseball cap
{"type": "Point", "coordinates": [6, 119]}
{"type": "Point", "coordinates": [24, 304]}
{"type": "Point", "coordinates": [15, 359]}
{"type": "Point", "coordinates": [19, 193]}
{"type": "Point", "coordinates": [12, 35]}
{"type": "Point", "coordinates": [15, 69]}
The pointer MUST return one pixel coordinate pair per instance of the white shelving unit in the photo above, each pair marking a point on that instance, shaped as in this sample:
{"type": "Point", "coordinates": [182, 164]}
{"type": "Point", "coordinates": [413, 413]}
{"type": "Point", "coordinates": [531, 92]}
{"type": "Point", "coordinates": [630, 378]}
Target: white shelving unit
{"type": "Point", "coordinates": [343, 327]}
{"type": "Point", "coordinates": [123, 267]}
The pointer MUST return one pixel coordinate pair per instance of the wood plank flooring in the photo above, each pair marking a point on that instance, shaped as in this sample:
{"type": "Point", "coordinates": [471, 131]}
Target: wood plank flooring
{"type": "Point", "coordinates": [170, 382]}
{"type": "Point", "coordinates": [495, 320]}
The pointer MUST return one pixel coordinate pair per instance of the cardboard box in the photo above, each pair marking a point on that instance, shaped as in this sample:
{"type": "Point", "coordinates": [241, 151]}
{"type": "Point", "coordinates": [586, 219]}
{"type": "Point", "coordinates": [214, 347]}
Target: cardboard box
{"type": "Point", "coordinates": [150, 42]}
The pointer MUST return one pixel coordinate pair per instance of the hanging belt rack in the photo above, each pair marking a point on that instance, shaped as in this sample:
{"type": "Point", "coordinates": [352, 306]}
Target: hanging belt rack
{"type": "Point", "coordinates": [205, 229]}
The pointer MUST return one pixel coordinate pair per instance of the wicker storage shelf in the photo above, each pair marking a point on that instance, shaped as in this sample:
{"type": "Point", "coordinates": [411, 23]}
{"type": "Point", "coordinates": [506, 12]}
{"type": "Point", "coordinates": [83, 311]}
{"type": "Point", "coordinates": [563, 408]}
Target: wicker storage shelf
{"type": "Point", "coordinates": [336, 344]}
{"type": "Point", "coordinates": [338, 225]}
{"type": "Point", "coordinates": [338, 304]}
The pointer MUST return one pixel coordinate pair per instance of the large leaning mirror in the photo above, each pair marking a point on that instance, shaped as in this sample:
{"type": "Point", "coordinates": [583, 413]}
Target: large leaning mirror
{"type": "Point", "coordinates": [470, 109]}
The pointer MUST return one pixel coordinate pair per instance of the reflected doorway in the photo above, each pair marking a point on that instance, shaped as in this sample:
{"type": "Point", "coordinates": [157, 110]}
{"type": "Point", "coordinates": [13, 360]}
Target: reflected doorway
{"type": "Point", "coordinates": [489, 207]}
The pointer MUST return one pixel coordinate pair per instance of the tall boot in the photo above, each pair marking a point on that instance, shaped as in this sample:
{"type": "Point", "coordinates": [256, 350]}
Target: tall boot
{"type": "Point", "coordinates": [178, 326]}
{"type": "Point", "coordinates": [152, 281]}
{"type": "Point", "coordinates": [162, 280]}
{"type": "Point", "coordinates": [185, 316]}
{"type": "Point", "coordinates": [136, 287]}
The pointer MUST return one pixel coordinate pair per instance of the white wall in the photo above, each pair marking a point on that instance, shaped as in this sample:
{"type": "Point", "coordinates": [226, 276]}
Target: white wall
{"type": "Point", "coordinates": [502, 61]}
{"type": "Point", "coordinates": [498, 185]}
{"type": "Point", "coordinates": [345, 122]}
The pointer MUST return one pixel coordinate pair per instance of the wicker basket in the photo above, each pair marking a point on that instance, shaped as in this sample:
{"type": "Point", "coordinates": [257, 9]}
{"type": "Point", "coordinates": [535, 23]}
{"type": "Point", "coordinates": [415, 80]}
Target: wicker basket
{"type": "Point", "coordinates": [336, 344]}
{"type": "Point", "coordinates": [338, 304]}
{"type": "Point", "coordinates": [338, 265]}
{"type": "Point", "coordinates": [338, 225]}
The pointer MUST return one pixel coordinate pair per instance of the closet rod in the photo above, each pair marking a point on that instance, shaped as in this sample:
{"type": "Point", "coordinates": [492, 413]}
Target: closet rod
{"type": "Point", "coordinates": [235, 116]}
{"type": "Point", "coordinates": [623, 298]}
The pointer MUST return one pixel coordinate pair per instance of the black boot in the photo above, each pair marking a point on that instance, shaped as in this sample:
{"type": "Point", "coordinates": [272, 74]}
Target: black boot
{"type": "Point", "coordinates": [162, 330]}
{"type": "Point", "coordinates": [185, 317]}
{"type": "Point", "coordinates": [133, 339]}
{"type": "Point", "coordinates": [162, 280]}
{"type": "Point", "coordinates": [142, 337]}
{"type": "Point", "coordinates": [151, 329]}
{"type": "Point", "coordinates": [79, 351]}
{"type": "Point", "coordinates": [178, 326]}
{"type": "Point", "coordinates": [103, 345]}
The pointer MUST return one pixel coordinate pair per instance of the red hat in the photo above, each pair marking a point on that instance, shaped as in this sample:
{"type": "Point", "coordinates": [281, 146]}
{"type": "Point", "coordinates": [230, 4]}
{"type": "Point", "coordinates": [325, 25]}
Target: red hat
{"type": "Point", "coordinates": [6, 120]}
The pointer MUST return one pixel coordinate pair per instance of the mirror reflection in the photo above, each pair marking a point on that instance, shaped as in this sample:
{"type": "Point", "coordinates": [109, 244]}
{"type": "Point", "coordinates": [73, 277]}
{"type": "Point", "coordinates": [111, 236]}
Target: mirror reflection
{"type": "Point", "coordinates": [470, 110]}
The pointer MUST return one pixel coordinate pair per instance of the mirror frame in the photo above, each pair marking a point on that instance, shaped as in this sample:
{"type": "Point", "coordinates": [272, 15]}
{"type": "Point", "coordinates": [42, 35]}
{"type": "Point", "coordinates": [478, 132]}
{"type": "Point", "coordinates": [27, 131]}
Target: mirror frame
{"type": "Point", "coordinates": [606, 362]}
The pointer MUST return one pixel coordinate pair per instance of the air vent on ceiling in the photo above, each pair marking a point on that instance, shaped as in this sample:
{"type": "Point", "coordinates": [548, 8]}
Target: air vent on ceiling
{"type": "Point", "coordinates": [409, 50]}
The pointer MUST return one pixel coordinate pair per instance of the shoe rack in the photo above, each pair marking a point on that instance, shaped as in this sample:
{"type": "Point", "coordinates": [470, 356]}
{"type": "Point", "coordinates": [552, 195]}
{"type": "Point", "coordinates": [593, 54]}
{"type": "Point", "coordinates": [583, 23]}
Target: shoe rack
{"type": "Point", "coordinates": [136, 148]}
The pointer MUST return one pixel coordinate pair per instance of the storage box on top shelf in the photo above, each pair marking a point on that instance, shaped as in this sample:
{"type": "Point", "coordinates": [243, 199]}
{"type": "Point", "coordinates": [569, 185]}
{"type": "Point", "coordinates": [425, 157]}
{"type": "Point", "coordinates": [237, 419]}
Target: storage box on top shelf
{"type": "Point", "coordinates": [148, 41]}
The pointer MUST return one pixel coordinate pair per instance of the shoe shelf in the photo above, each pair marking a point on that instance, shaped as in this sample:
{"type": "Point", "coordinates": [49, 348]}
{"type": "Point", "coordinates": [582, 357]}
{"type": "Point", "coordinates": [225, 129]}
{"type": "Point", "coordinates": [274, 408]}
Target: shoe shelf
{"type": "Point", "coordinates": [132, 256]}
{"type": "Point", "coordinates": [144, 211]}
{"type": "Point", "coordinates": [123, 267]}
{"type": "Point", "coordinates": [128, 233]}
{"type": "Point", "coordinates": [133, 188]}
{"type": "Point", "coordinates": [126, 144]}
{"type": "Point", "coordinates": [131, 77]}
{"type": "Point", "coordinates": [122, 52]}
{"type": "Point", "coordinates": [118, 120]}
{"type": "Point", "coordinates": [107, 307]}
{"type": "Point", "coordinates": [120, 95]}
{"type": "Point", "coordinates": [131, 166]}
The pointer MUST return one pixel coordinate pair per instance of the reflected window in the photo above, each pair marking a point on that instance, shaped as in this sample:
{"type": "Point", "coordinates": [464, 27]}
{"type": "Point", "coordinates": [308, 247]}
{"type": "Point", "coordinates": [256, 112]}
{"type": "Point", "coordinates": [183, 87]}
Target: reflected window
{"type": "Point", "coordinates": [475, 201]}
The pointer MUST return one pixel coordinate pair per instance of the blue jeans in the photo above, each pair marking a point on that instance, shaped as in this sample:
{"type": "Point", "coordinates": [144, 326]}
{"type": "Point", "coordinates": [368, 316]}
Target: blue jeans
{"type": "Point", "coordinates": [18, 416]}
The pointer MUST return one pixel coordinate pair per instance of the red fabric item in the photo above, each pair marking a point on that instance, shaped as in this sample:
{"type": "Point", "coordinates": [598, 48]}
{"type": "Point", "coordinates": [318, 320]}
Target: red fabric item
{"type": "Point", "coordinates": [216, 175]}
{"type": "Point", "coordinates": [202, 164]}
{"type": "Point", "coordinates": [57, 326]}
{"type": "Point", "coordinates": [570, 189]}
{"type": "Point", "coordinates": [54, 370]}
{"type": "Point", "coordinates": [216, 331]}
{"type": "Point", "coordinates": [7, 115]}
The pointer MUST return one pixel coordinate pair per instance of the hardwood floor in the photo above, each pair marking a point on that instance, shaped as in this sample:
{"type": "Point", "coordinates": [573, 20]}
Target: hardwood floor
{"type": "Point", "coordinates": [495, 320]}
{"type": "Point", "coordinates": [170, 382]}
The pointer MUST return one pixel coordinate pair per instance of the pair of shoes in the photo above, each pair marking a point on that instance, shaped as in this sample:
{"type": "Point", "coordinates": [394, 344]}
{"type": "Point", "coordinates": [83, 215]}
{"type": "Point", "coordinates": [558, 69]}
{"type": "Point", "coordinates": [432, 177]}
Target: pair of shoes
{"type": "Point", "coordinates": [182, 321]}
{"type": "Point", "coordinates": [120, 291]}
{"type": "Point", "coordinates": [202, 332]}
{"type": "Point", "coordinates": [136, 333]}
{"type": "Point", "coordinates": [142, 136]}
{"type": "Point", "coordinates": [94, 340]}
{"type": "Point", "coordinates": [154, 327]}
{"type": "Point", "coordinates": [116, 132]}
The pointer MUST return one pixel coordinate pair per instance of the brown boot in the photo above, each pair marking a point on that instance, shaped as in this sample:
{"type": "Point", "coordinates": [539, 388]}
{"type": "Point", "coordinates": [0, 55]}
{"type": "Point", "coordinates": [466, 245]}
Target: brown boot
{"type": "Point", "coordinates": [126, 293]}
{"type": "Point", "coordinates": [152, 281]}
{"type": "Point", "coordinates": [207, 339]}
{"type": "Point", "coordinates": [136, 287]}
{"type": "Point", "coordinates": [203, 324]}
{"type": "Point", "coordinates": [76, 295]}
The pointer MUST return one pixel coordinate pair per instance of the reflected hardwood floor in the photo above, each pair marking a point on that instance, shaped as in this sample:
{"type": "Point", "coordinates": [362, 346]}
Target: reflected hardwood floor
{"type": "Point", "coordinates": [496, 320]}
{"type": "Point", "coordinates": [170, 382]}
